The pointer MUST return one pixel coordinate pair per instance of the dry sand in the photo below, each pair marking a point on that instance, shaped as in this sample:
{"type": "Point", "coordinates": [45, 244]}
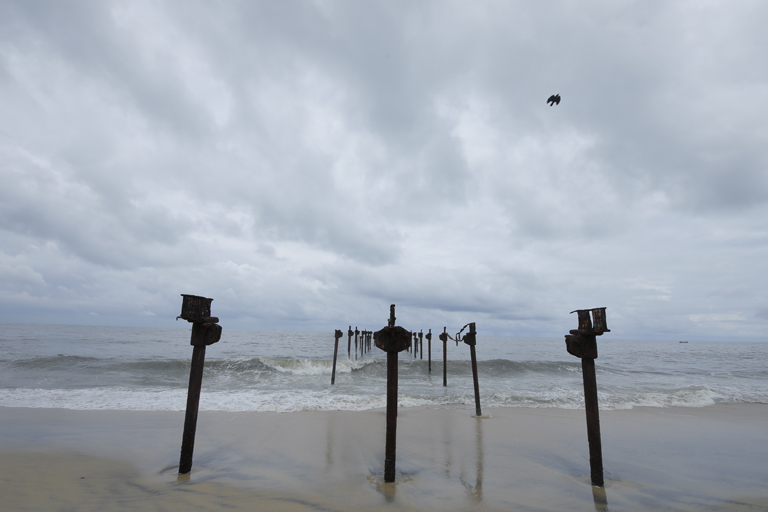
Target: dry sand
{"type": "Point", "coordinates": [712, 458]}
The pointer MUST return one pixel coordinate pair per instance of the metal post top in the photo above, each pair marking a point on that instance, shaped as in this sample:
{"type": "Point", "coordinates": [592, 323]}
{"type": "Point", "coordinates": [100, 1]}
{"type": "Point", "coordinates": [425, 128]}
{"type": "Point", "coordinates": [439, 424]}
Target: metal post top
{"type": "Point", "coordinates": [582, 342]}
{"type": "Point", "coordinates": [392, 339]}
{"type": "Point", "coordinates": [590, 309]}
{"type": "Point", "coordinates": [597, 325]}
{"type": "Point", "coordinates": [195, 308]}
{"type": "Point", "coordinates": [469, 338]}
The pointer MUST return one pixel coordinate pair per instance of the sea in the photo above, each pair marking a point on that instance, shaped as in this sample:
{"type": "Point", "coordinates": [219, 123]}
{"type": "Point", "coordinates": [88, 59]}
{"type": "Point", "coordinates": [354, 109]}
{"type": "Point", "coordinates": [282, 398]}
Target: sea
{"type": "Point", "coordinates": [147, 369]}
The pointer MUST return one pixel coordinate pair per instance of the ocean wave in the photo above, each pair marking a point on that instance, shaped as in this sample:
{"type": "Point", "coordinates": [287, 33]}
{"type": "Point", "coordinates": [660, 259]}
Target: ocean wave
{"type": "Point", "coordinates": [164, 399]}
{"type": "Point", "coordinates": [315, 366]}
{"type": "Point", "coordinates": [53, 362]}
{"type": "Point", "coordinates": [304, 366]}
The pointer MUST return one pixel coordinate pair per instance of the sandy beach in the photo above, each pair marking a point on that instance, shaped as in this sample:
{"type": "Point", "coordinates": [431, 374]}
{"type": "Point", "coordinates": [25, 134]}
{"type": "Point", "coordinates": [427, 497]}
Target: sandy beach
{"type": "Point", "coordinates": [710, 458]}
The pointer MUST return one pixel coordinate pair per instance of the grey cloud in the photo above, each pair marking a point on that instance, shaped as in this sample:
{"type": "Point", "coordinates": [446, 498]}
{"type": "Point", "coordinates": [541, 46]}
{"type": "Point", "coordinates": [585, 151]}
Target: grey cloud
{"type": "Point", "coordinates": [40, 201]}
{"type": "Point", "coordinates": [332, 232]}
{"type": "Point", "coordinates": [304, 161]}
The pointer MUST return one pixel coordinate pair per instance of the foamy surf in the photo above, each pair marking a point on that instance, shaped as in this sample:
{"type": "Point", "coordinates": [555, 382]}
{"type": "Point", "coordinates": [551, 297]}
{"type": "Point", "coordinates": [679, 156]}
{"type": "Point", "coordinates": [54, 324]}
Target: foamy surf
{"type": "Point", "coordinates": [109, 368]}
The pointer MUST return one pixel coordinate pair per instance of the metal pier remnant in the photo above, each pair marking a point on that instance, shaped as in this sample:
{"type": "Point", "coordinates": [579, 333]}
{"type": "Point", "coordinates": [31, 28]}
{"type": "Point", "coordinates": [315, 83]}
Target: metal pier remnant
{"type": "Point", "coordinates": [392, 340]}
{"type": "Point", "coordinates": [205, 331]}
{"type": "Point", "coordinates": [582, 343]}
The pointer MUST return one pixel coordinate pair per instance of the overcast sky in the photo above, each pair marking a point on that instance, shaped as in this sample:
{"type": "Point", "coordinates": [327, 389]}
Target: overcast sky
{"type": "Point", "coordinates": [306, 164]}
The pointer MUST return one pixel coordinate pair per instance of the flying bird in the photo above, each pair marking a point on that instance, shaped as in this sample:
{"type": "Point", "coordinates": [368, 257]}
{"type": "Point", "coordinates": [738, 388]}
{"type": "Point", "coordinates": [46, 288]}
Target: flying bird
{"type": "Point", "coordinates": [554, 99]}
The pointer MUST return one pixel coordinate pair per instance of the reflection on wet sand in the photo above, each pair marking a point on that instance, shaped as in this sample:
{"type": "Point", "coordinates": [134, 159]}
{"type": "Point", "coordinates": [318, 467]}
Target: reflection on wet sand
{"type": "Point", "coordinates": [601, 500]}
{"type": "Point", "coordinates": [447, 442]}
{"type": "Point", "coordinates": [475, 492]}
{"type": "Point", "coordinates": [329, 443]}
{"type": "Point", "coordinates": [388, 490]}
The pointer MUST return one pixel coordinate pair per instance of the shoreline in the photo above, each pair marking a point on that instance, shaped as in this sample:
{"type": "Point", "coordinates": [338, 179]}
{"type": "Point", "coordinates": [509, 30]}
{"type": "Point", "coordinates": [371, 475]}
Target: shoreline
{"type": "Point", "coordinates": [674, 458]}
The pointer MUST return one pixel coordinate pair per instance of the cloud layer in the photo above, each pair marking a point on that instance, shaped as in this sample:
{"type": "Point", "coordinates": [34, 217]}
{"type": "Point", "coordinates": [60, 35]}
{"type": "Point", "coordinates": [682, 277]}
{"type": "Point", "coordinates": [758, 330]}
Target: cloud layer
{"type": "Point", "coordinates": [306, 164]}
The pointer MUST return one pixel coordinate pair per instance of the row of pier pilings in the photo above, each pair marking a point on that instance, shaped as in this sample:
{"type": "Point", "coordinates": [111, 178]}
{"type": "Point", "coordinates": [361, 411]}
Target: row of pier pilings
{"type": "Point", "coordinates": [393, 339]}
{"type": "Point", "coordinates": [362, 341]}
{"type": "Point", "coordinates": [416, 348]}
{"type": "Point", "coordinates": [580, 342]}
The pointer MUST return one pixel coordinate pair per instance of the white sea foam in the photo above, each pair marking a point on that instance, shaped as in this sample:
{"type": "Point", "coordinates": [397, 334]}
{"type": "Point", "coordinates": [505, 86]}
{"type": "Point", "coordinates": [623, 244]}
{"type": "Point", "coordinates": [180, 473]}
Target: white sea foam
{"type": "Point", "coordinates": [314, 366]}
{"type": "Point", "coordinates": [326, 399]}
{"type": "Point", "coordinates": [175, 400]}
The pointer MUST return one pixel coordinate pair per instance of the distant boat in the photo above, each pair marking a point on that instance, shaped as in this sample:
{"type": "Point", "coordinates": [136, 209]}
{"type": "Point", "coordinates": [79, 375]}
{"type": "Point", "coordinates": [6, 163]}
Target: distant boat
{"type": "Point", "coordinates": [683, 342]}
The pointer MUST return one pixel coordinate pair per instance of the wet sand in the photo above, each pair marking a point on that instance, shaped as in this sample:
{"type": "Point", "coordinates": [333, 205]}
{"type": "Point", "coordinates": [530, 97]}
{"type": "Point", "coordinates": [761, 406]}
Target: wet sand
{"type": "Point", "coordinates": [712, 458]}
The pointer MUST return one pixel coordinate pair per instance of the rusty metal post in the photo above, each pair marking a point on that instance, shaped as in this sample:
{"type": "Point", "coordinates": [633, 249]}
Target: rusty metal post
{"type": "Point", "coordinates": [193, 402]}
{"type": "Point", "coordinates": [429, 351]}
{"type": "Point", "coordinates": [444, 338]}
{"type": "Point", "coordinates": [392, 340]}
{"type": "Point", "coordinates": [390, 450]}
{"type": "Point", "coordinates": [337, 335]}
{"type": "Point", "coordinates": [593, 421]}
{"type": "Point", "coordinates": [205, 331]}
{"type": "Point", "coordinates": [582, 343]}
{"type": "Point", "coordinates": [470, 339]}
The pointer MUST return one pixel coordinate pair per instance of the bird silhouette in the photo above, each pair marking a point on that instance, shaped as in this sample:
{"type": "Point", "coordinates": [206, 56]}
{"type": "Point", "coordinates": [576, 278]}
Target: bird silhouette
{"type": "Point", "coordinates": [554, 99]}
